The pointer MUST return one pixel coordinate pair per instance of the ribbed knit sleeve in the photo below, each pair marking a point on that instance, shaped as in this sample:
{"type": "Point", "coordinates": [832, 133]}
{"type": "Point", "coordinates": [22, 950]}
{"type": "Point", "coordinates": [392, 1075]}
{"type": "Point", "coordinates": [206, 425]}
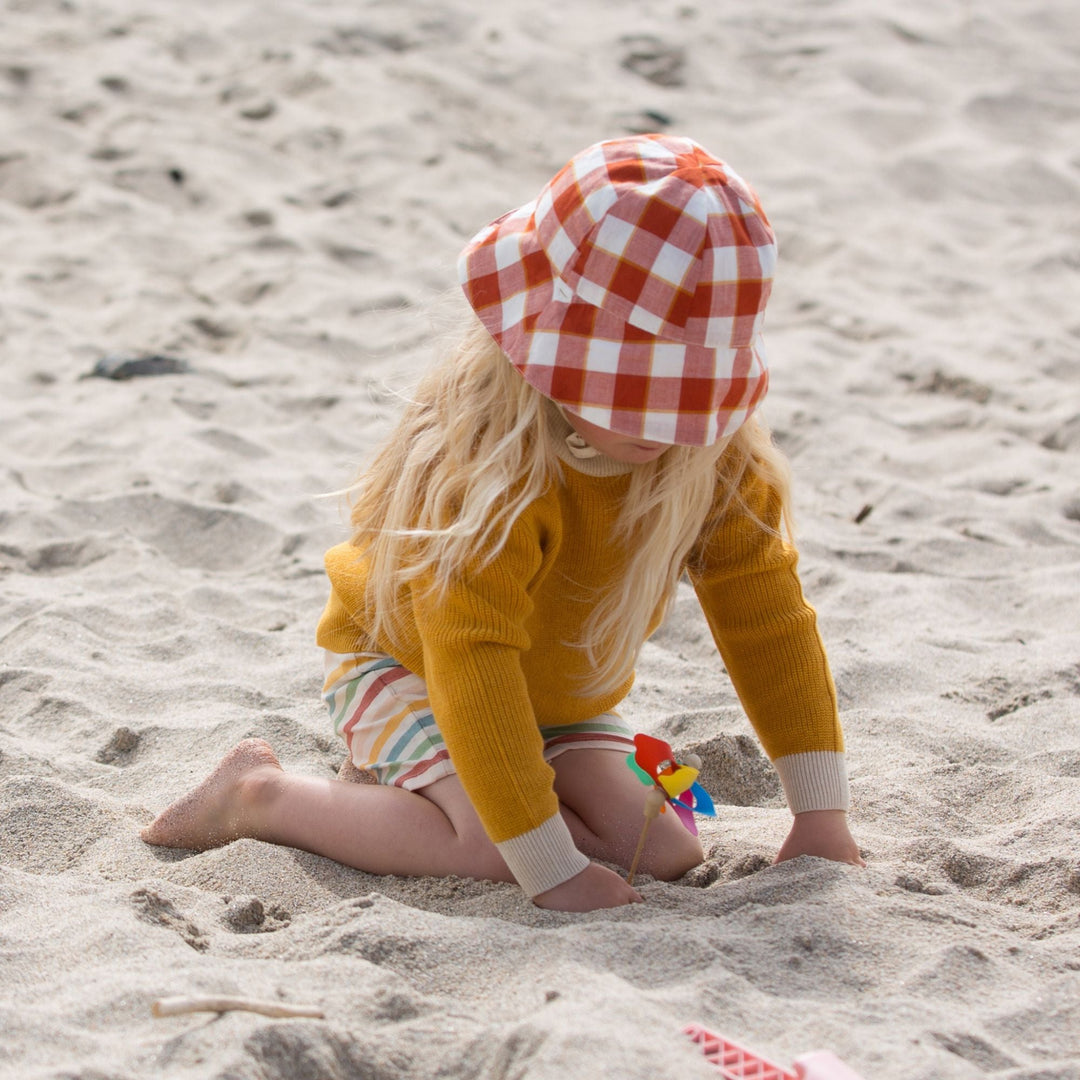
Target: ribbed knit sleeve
{"type": "Point", "coordinates": [473, 636]}
{"type": "Point", "coordinates": [746, 580]}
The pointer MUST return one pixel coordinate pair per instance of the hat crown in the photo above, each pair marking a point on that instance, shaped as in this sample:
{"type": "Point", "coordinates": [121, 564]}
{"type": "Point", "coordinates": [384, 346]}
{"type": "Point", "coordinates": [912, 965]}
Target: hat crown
{"type": "Point", "coordinates": [656, 231]}
{"type": "Point", "coordinates": [632, 289]}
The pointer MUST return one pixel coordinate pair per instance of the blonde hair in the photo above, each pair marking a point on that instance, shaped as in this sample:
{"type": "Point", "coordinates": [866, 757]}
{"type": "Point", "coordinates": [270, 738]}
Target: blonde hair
{"type": "Point", "coordinates": [476, 445]}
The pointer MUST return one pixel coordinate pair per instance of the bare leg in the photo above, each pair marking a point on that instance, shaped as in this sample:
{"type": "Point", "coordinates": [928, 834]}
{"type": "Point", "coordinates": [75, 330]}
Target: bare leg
{"type": "Point", "coordinates": [382, 830]}
{"type": "Point", "coordinates": [387, 830]}
{"type": "Point", "coordinates": [603, 803]}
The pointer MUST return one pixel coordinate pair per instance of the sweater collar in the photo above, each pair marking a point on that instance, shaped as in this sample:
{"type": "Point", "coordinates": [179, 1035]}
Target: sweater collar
{"type": "Point", "coordinates": [572, 450]}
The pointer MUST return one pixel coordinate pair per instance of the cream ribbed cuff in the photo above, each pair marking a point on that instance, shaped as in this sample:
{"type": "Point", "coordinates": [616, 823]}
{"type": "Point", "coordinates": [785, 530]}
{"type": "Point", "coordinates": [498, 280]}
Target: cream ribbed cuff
{"type": "Point", "coordinates": [543, 857]}
{"type": "Point", "coordinates": [816, 780]}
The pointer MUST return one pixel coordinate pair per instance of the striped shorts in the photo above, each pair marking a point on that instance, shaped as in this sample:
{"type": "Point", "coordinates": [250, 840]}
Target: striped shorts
{"type": "Point", "coordinates": [382, 712]}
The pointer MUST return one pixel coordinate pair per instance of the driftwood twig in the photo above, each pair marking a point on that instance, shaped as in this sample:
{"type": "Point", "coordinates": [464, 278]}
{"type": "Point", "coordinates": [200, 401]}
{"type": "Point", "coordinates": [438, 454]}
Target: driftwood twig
{"type": "Point", "coordinates": [178, 1006]}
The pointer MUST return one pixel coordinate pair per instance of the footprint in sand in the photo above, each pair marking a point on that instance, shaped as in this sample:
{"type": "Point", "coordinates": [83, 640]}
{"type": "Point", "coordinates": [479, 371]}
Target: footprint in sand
{"type": "Point", "coordinates": [32, 186]}
{"type": "Point", "coordinates": [249, 915]}
{"type": "Point", "coordinates": [1065, 436]}
{"type": "Point", "coordinates": [56, 557]}
{"type": "Point", "coordinates": [48, 827]}
{"type": "Point", "coordinates": [654, 60]}
{"type": "Point", "coordinates": [153, 908]}
{"type": "Point", "coordinates": [974, 1049]}
{"type": "Point", "coordinates": [187, 534]}
{"type": "Point", "coordinates": [1022, 118]}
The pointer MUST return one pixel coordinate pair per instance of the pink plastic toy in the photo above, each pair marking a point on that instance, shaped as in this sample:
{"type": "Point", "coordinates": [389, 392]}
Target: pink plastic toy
{"type": "Point", "coordinates": [735, 1062]}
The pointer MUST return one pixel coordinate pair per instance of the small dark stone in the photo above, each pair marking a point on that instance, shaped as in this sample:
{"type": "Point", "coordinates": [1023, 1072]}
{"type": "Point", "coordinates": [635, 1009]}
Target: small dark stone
{"type": "Point", "coordinates": [644, 121]}
{"type": "Point", "coordinates": [395, 1006]}
{"type": "Point", "coordinates": [262, 110]}
{"type": "Point", "coordinates": [259, 218]}
{"type": "Point", "coordinates": [655, 60]}
{"type": "Point", "coordinates": [122, 743]}
{"type": "Point", "coordinates": [18, 75]}
{"type": "Point", "coordinates": [128, 367]}
{"type": "Point", "coordinates": [245, 914]}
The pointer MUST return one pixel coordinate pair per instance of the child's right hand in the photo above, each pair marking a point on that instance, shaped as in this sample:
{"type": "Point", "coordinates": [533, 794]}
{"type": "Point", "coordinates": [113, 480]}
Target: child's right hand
{"type": "Point", "coordinates": [595, 887]}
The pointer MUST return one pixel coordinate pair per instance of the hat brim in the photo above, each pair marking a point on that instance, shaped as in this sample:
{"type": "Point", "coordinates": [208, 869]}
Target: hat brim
{"type": "Point", "coordinates": [594, 364]}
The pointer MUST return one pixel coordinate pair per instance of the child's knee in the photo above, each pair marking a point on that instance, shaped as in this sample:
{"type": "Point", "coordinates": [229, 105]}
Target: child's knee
{"type": "Point", "coordinates": [673, 858]}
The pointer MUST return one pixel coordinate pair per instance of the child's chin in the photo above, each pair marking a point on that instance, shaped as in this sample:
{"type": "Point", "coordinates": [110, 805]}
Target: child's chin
{"type": "Point", "coordinates": [640, 454]}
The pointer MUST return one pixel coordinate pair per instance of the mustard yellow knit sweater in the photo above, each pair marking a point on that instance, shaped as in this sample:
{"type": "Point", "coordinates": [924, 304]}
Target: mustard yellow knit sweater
{"type": "Point", "coordinates": [494, 658]}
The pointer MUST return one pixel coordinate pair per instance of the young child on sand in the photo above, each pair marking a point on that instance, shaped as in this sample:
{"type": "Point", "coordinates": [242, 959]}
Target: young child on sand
{"type": "Point", "coordinates": [591, 439]}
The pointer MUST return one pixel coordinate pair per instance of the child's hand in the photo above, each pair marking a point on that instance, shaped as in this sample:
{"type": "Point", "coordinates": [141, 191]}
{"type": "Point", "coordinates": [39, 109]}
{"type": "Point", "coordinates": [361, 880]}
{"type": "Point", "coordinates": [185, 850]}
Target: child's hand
{"type": "Point", "coordinates": [595, 887]}
{"type": "Point", "coordinates": [823, 833]}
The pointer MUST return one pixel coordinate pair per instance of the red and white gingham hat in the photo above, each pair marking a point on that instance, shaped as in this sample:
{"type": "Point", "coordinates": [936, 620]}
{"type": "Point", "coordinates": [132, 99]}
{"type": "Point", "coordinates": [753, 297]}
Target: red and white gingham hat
{"type": "Point", "coordinates": [632, 289]}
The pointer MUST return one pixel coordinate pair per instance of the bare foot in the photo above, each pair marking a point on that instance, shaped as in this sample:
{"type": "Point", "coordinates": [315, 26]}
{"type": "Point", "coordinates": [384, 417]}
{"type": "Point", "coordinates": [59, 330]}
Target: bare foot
{"type": "Point", "coordinates": [214, 813]}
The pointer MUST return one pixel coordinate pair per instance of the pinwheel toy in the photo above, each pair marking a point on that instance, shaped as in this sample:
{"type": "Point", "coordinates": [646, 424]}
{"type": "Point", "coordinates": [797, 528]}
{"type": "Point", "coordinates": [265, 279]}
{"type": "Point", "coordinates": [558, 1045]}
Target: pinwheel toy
{"type": "Point", "coordinates": [673, 782]}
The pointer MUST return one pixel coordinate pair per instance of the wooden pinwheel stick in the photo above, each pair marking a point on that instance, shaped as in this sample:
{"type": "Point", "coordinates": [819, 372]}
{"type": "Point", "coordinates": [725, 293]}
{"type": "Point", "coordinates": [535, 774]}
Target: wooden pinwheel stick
{"type": "Point", "coordinates": [654, 803]}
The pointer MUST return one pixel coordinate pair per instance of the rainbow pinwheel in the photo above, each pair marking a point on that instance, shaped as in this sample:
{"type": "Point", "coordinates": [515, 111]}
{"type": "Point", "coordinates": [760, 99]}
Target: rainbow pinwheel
{"type": "Point", "coordinates": [673, 783]}
{"type": "Point", "coordinates": [655, 763]}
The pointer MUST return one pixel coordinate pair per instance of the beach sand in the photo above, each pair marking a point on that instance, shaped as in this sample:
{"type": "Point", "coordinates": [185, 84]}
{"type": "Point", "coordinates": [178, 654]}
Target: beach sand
{"type": "Point", "coordinates": [269, 198]}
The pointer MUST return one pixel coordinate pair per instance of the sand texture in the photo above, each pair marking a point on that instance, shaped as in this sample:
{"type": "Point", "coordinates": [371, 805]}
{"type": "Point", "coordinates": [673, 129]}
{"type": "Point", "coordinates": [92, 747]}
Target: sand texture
{"type": "Point", "coordinates": [260, 204]}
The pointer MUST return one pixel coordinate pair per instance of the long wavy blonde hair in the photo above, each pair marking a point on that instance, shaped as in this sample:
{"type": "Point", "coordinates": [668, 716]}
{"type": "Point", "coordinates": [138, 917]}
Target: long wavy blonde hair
{"type": "Point", "coordinates": [476, 444]}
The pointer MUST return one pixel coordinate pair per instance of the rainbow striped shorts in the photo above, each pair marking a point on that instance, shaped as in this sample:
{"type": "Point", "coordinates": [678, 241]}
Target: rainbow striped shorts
{"type": "Point", "coordinates": [381, 710]}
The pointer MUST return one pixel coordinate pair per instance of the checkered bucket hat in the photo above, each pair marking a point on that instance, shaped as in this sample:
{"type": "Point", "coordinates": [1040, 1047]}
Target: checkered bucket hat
{"type": "Point", "coordinates": [632, 289]}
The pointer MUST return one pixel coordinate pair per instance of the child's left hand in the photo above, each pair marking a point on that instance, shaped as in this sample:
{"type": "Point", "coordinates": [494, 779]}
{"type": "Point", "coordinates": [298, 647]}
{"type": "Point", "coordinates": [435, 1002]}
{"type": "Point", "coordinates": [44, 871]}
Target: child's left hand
{"type": "Point", "coordinates": [823, 833]}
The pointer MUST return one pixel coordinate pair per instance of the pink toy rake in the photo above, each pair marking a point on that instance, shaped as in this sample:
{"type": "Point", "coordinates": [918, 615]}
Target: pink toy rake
{"type": "Point", "coordinates": [735, 1062]}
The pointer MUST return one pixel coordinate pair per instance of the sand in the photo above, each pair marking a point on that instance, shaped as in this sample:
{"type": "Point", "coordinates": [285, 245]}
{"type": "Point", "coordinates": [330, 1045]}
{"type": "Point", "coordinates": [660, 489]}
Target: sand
{"type": "Point", "coordinates": [269, 198]}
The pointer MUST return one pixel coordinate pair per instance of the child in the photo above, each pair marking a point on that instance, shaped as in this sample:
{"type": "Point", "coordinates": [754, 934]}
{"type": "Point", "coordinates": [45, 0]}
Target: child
{"type": "Point", "coordinates": [589, 441]}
